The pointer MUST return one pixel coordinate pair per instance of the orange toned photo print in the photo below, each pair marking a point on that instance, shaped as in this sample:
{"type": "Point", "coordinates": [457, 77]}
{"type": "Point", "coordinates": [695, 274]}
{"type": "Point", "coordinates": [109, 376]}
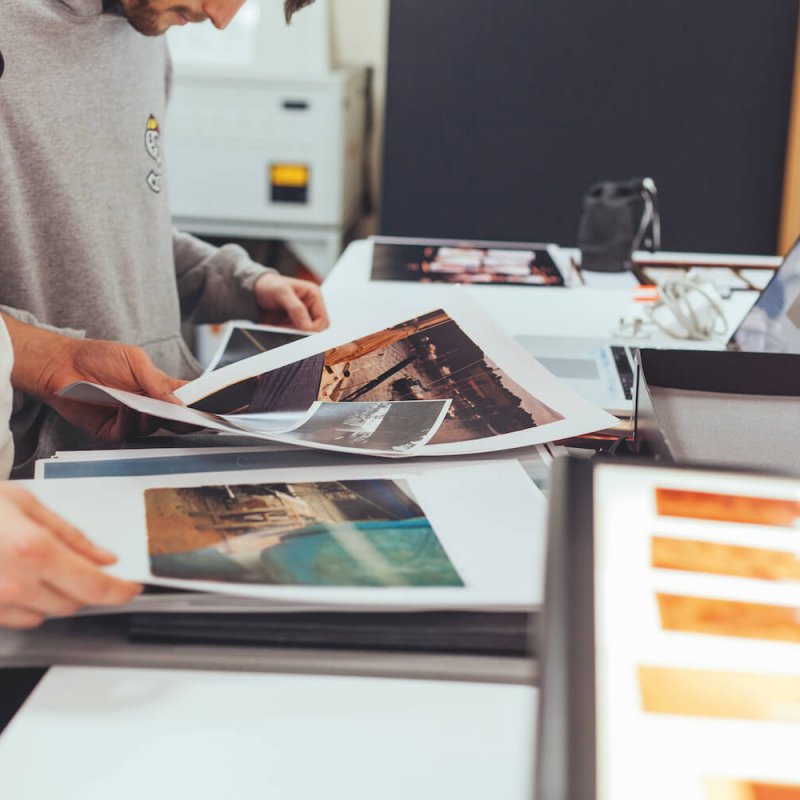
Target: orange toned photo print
{"type": "Point", "coordinates": [725, 695]}
{"type": "Point", "coordinates": [730, 789]}
{"type": "Point", "coordinates": [728, 508]}
{"type": "Point", "coordinates": [729, 618]}
{"type": "Point", "coordinates": [724, 559]}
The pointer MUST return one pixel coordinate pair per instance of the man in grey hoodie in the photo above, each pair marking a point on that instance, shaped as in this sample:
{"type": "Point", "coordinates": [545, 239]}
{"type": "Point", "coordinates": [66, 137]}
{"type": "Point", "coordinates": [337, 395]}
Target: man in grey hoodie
{"type": "Point", "coordinates": [87, 248]}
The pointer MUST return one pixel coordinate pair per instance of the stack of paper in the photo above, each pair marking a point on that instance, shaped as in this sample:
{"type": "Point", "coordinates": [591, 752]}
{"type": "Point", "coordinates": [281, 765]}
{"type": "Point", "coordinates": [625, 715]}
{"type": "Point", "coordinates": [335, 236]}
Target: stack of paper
{"type": "Point", "coordinates": [419, 381]}
{"type": "Point", "coordinates": [336, 538]}
{"type": "Point", "coordinates": [341, 530]}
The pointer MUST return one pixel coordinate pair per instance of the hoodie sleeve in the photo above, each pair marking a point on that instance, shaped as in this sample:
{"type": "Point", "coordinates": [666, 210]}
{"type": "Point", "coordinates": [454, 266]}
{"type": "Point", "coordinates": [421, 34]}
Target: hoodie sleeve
{"type": "Point", "coordinates": [30, 319]}
{"type": "Point", "coordinates": [215, 284]}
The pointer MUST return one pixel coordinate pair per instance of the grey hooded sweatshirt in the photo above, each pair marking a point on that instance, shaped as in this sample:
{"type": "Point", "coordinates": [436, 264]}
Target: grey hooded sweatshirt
{"type": "Point", "coordinates": [86, 242]}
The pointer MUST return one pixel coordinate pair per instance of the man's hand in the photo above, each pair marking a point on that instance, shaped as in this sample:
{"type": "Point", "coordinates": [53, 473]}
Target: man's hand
{"type": "Point", "coordinates": [47, 567]}
{"type": "Point", "coordinates": [290, 301]}
{"type": "Point", "coordinates": [45, 363]}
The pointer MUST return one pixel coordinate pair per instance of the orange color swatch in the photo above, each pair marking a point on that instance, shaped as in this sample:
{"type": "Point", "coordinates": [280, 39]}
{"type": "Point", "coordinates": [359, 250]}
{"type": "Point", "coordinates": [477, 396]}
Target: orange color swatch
{"type": "Point", "coordinates": [729, 618]}
{"type": "Point", "coordinates": [729, 789]}
{"type": "Point", "coordinates": [727, 508]}
{"type": "Point", "coordinates": [725, 559]}
{"type": "Point", "coordinates": [725, 695]}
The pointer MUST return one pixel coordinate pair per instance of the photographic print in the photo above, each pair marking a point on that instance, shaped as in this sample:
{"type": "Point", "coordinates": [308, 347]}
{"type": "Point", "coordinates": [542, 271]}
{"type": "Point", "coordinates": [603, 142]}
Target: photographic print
{"type": "Point", "coordinates": [334, 533]}
{"type": "Point", "coordinates": [728, 508]}
{"type": "Point", "coordinates": [723, 695]}
{"type": "Point", "coordinates": [463, 262]}
{"type": "Point", "coordinates": [729, 618]}
{"type": "Point", "coordinates": [380, 427]}
{"type": "Point", "coordinates": [425, 358]}
{"type": "Point", "coordinates": [725, 559]}
{"type": "Point", "coordinates": [245, 342]}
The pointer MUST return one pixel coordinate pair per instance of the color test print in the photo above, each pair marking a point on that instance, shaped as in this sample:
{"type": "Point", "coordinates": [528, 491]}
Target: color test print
{"type": "Point", "coordinates": [336, 533]}
{"type": "Point", "coordinates": [724, 695]}
{"type": "Point", "coordinates": [732, 789]}
{"type": "Point", "coordinates": [425, 358]}
{"type": "Point", "coordinates": [725, 559]}
{"type": "Point", "coordinates": [728, 508]}
{"type": "Point", "coordinates": [729, 618]}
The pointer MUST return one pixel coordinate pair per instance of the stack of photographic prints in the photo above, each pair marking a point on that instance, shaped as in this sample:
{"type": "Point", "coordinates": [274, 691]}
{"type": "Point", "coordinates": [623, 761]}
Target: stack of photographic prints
{"type": "Point", "coordinates": [499, 397]}
{"type": "Point", "coordinates": [430, 537]}
{"type": "Point", "coordinates": [697, 628]}
{"type": "Point", "coordinates": [442, 381]}
{"type": "Point", "coordinates": [452, 261]}
{"type": "Point", "coordinates": [423, 359]}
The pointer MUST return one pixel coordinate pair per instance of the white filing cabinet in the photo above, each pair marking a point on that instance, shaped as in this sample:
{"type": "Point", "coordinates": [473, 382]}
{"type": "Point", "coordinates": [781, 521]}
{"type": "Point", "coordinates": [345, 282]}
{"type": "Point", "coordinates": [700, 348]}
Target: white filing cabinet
{"type": "Point", "coordinates": [266, 157]}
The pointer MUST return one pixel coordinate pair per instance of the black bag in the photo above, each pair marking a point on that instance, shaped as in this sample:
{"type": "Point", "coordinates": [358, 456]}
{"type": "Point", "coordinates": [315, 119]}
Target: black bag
{"type": "Point", "coordinates": [618, 218]}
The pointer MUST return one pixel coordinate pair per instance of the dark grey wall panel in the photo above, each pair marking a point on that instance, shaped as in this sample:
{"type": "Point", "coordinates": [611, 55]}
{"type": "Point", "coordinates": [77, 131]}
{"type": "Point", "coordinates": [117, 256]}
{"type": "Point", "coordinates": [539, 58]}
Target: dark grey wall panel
{"type": "Point", "coordinates": [501, 113]}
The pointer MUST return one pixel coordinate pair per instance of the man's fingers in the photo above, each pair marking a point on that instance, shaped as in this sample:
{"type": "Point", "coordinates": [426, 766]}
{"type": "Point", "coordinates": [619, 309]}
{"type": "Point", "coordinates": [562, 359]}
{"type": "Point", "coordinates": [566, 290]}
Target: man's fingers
{"type": "Point", "coordinates": [120, 424]}
{"type": "Point", "coordinates": [319, 313]}
{"type": "Point", "coordinates": [106, 423]}
{"type": "Point", "coordinates": [69, 534]}
{"type": "Point", "coordinates": [13, 617]}
{"type": "Point", "coordinates": [111, 424]}
{"type": "Point", "coordinates": [311, 296]}
{"type": "Point", "coordinates": [25, 589]}
{"type": "Point", "coordinates": [301, 301]}
{"type": "Point", "coordinates": [79, 579]}
{"type": "Point", "coordinates": [45, 556]}
{"type": "Point", "coordinates": [89, 418]}
{"type": "Point", "coordinates": [296, 309]}
{"type": "Point", "coordinates": [30, 594]}
{"type": "Point", "coordinates": [48, 567]}
{"type": "Point", "coordinates": [151, 380]}
{"type": "Point", "coordinates": [143, 425]}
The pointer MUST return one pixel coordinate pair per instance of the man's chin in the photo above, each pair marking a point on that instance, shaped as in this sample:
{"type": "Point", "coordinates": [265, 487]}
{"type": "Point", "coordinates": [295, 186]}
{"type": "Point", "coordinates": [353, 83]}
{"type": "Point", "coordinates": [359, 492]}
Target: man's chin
{"type": "Point", "coordinates": [147, 26]}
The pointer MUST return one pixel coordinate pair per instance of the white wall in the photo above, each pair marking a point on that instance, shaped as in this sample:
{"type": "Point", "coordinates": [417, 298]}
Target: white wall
{"type": "Point", "coordinates": [360, 32]}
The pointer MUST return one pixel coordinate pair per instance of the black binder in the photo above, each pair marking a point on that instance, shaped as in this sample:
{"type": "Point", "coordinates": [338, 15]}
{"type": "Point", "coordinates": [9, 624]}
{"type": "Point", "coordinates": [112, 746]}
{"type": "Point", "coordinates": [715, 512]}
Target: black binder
{"type": "Point", "coordinates": [456, 632]}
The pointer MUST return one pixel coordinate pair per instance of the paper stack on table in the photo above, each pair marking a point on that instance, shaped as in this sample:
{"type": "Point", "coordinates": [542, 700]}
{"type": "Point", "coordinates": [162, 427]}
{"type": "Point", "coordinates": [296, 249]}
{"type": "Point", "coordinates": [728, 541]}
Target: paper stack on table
{"type": "Point", "coordinates": [376, 537]}
{"type": "Point", "coordinates": [414, 381]}
{"type": "Point", "coordinates": [336, 531]}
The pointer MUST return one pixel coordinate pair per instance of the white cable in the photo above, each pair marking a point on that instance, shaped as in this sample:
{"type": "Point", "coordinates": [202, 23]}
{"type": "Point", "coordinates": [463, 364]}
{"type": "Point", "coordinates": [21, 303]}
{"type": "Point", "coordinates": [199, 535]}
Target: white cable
{"type": "Point", "coordinates": [696, 321]}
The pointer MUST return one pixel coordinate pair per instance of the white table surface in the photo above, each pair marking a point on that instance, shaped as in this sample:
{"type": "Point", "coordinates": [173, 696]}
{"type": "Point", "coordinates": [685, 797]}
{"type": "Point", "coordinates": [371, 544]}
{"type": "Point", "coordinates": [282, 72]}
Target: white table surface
{"type": "Point", "coordinates": [94, 734]}
{"type": "Point", "coordinates": [584, 311]}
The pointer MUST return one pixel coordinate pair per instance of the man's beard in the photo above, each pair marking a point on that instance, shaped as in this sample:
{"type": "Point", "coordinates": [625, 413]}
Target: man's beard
{"type": "Point", "coordinates": [142, 17]}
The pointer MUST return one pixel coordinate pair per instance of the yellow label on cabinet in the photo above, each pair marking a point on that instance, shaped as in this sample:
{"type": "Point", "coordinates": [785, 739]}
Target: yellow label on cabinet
{"type": "Point", "coordinates": [290, 175]}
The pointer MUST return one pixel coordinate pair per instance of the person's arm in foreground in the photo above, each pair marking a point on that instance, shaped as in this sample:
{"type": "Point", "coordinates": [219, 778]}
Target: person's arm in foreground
{"type": "Point", "coordinates": [46, 362]}
{"type": "Point", "coordinates": [47, 567]}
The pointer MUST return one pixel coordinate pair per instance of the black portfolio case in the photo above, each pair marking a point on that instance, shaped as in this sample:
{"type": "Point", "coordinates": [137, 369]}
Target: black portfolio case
{"type": "Point", "coordinates": [727, 408]}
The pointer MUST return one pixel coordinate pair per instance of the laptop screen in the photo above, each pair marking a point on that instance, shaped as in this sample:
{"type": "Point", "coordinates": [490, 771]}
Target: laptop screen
{"type": "Point", "coordinates": [773, 324]}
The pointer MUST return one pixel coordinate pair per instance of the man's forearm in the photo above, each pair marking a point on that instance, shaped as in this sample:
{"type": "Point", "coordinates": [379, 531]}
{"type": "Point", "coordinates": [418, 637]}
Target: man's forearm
{"type": "Point", "coordinates": [215, 284]}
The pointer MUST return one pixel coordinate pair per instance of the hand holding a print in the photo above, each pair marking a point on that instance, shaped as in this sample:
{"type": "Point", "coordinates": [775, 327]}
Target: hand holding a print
{"type": "Point", "coordinates": [290, 301]}
{"type": "Point", "coordinates": [46, 362]}
{"type": "Point", "coordinates": [47, 567]}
